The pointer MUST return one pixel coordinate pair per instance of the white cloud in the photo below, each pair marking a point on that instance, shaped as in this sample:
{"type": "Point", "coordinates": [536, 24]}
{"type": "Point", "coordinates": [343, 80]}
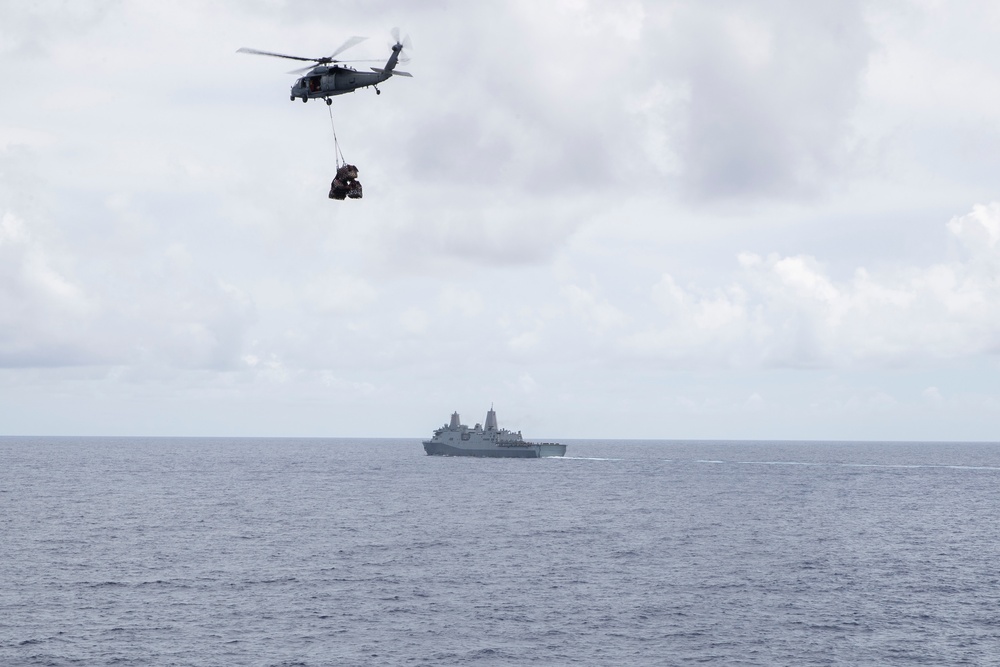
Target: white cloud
{"type": "Point", "coordinates": [788, 311]}
{"type": "Point", "coordinates": [339, 293]}
{"type": "Point", "coordinates": [414, 321]}
{"type": "Point", "coordinates": [598, 313]}
{"type": "Point", "coordinates": [466, 301]}
{"type": "Point", "coordinates": [979, 231]}
{"type": "Point", "coordinates": [751, 38]}
{"type": "Point", "coordinates": [933, 395]}
{"type": "Point", "coordinates": [44, 314]}
{"type": "Point", "coordinates": [525, 340]}
{"type": "Point", "coordinates": [526, 383]}
{"type": "Point", "coordinates": [18, 136]}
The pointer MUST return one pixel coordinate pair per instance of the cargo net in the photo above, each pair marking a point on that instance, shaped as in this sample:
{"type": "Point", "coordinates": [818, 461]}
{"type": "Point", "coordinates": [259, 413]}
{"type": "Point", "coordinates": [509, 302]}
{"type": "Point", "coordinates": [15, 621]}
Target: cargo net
{"type": "Point", "coordinates": [345, 184]}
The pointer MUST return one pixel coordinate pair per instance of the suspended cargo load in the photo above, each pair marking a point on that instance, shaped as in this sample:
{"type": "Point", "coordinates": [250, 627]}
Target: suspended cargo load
{"type": "Point", "coordinates": [346, 184]}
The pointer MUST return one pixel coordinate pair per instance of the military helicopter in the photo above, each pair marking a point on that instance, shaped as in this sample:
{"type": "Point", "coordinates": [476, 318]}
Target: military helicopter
{"type": "Point", "coordinates": [329, 77]}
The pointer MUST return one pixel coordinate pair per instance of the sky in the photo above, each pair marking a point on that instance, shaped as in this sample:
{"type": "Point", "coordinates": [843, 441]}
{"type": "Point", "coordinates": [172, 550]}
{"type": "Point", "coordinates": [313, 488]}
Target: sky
{"type": "Point", "coordinates": [629, 219]}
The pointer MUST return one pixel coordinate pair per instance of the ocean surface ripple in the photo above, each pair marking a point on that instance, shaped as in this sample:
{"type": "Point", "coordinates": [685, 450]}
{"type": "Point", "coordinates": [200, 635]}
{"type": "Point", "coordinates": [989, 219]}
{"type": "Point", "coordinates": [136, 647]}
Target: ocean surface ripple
{"type": "Point", "coordinates": [211, 551]}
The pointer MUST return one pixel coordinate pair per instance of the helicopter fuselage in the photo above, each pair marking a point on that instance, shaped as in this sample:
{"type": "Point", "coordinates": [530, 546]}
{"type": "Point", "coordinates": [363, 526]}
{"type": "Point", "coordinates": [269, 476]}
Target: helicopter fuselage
{"type": "Point", "coordinates": [325, 81]}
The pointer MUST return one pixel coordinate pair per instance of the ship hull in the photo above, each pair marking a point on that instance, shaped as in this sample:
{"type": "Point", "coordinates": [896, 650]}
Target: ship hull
{"type": "Point", "coordinates": [521, 452]}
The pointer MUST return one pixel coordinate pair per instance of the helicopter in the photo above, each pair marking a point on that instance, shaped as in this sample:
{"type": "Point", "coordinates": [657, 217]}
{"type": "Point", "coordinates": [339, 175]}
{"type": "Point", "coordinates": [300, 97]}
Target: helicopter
{"type": "Point", "coordinates": [328, 77]}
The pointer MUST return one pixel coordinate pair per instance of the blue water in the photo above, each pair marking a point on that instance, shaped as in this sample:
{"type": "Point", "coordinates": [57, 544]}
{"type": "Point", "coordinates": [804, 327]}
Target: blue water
{"type": "Point", "coordinates": [193, 551]}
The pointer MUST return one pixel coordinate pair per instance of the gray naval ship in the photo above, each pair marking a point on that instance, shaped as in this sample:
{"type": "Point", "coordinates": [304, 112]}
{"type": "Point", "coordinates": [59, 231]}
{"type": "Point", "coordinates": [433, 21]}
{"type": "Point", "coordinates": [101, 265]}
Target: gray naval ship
{"type": "Point", "coordinates": [457, 439]}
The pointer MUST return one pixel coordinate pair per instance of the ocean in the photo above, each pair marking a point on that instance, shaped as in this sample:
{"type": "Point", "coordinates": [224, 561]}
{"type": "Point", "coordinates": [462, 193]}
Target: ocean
{"type": "Point", "coordinates": [214, 551]}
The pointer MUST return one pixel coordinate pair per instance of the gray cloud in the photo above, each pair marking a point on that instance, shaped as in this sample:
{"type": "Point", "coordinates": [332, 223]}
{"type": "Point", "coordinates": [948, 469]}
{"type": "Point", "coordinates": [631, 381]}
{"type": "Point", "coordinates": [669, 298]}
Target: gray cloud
{"type": "Point", "coordinates": [30, 29]}
{"type": "Point", "coordinates": [770, 89]}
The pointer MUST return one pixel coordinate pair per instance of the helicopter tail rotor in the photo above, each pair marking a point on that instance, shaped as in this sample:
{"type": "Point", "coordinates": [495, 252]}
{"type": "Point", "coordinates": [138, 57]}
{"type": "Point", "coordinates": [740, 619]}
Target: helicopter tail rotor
{"type": "Point", "coordinates": [402, 42]}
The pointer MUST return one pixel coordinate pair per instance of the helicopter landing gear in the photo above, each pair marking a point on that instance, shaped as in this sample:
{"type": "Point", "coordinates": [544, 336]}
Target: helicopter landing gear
{"type": "Point", "coordinates": [304, 100]}
{"type": "Point", "coordinates": [292, 98]}
{"type": "Point", "coordinates": [377, 91]}
{"type": "Point", "coordinates": [329, 101]}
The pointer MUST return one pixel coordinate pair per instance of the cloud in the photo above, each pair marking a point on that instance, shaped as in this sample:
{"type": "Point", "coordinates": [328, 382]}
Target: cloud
{"type": "Point", "coordinates": [468, 302]}
{"type": "Point", "coordinates": [338, 293]}
{"type": "Point", "coordinates": [769, 90]}
{"type": "Point", "coordinates": [598, 313]}
{"type": "Point", "coordinates": [18, 136]}
{"type": "Point", "coordinates": [56, 310]}
{"type": "Point", "coordinates": [539, 124]}
{"type": "Point", "coordinates": [44, 313]}
{"type": "Point", "coordinates": [29, 29]}
{"type": "Point", "coordinates": [932, 395]}
{"type": "Point", "coordinates": [979, 232]}
{"type": "Point", "coordinates": [414, 321]}
{"type": "Point", "coordinates": [526, 383]}
{"type": "Point", "coordinates": [788, 311]}
{"type": "Point", "coordinates": [477, 230]}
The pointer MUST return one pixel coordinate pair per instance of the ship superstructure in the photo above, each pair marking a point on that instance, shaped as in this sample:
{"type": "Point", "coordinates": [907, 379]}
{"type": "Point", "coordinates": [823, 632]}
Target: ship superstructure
{"type": "Point", "coordinates": [457, 439]}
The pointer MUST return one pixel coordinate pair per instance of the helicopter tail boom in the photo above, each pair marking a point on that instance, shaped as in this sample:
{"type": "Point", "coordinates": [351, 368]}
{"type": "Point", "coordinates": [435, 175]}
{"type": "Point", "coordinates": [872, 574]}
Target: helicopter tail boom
{"type": "Point", "coordinates": [391, 63]}
{"type": "Point", "coordinates": [397, 50]}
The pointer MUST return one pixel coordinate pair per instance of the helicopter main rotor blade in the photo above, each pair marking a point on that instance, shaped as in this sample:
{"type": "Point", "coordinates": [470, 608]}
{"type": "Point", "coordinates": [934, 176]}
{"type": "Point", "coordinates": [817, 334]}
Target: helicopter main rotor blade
{"type": "Point", "coordinates": [258, 52]}
{"type": "Point", "coordinates": [302, 70]}
{"type": "Point", "coordinates": [351, 41]}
